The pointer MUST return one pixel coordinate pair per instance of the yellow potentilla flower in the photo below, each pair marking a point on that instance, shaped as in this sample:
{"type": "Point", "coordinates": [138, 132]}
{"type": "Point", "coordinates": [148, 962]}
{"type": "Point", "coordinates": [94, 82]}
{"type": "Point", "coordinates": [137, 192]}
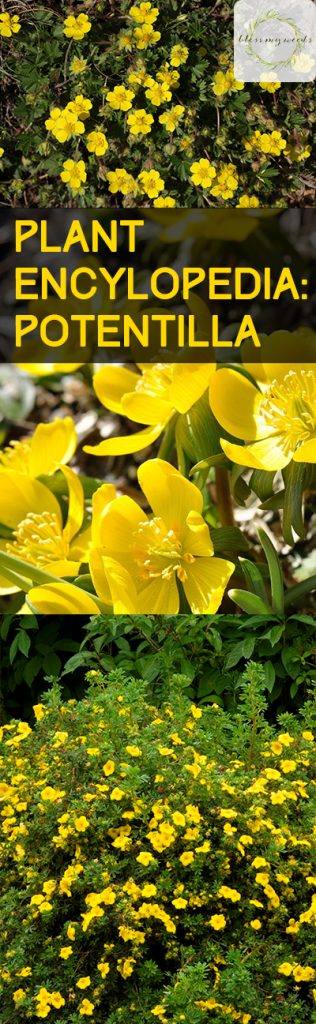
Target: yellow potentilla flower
{"type": "Point", "coordinates": [226, 893]}
{"type": "Point", "coordinates": [203, 172]}
{"type": "Point", "coordinates": [18, 995]}
{"type": "Point", "coordinates": [63, 124]}
{"type": "Point", "coordinates": [186, 858]}
{"type": "Point", "coordinates": [51, 794]}
{"type": "Point", "coordinates": [57, 1000]}
{"type": "Point", "coordinates": [125, 40]}
{"type": "Point", "coordinates": [158, 93]}
{"type": "Point", "coordinates": [125, 967]}
{"type": "Point", "coordinates": [86, 1008]}
{"type": "Point", "coordinates": [133, 751]}
{"type": "Point", "coordinates": [226, 181]}
{"type": "Point", "coordinates": [277, 422]}
{"type": "Point", "coordinates": [179, 55]}
{"type": "Point", "coordinates": [152, 396]}
{"type": "Point", "coordinates": [74, 174]}
{"type": "Point", "coordinates": [76, 28]}
{"type": "Point", "coordinates": [81, 824]}
{"type": "Point", "coordinates": [121, 181]}
{"type": "Point", "coordinates": [144, 13]}
{"type": "Point", "coordinates": [179, 903]}
{"type": "Point", "coordinates": [164, 201]}
{"type": "Point", "coordinates": [136, 562]}
{"type": "Point", "coordinates": [9, 25]}
{"type": "Point", "coordinates": [225, 81]}
{"type": "Point", "coordinates": [78, 66]}
{"type": "Point", "coordinates": [248, 202]}
{"type": "Point", "coordinates": [270, 85]}
{"type": "Point", "coordinates": [170, 118]}
{"type": "Point", "coordinates": [121, 98]}
{"type": "Point", "coordinates": [168, 75]}
{"type": "Point", "coordinates": [80, 106]}
{"type": "Point", "coordinates": [217, 921]}
{"type": "Point", "coordinates": [146, 36]}
{"type": "Point", "coordinates": [39, 711]}
{"type": "Point", "coordinates": [255, 924]}
{"type": "Point", "coordinates": [84, 982]}
{"type": "Point", "coordinates": [139, 122]}
{"type": "Point", "coordinates": [117, 793]}
{"type": "Point", "coordinates": [151, 183]}
{"type": "Point", "coordinates": [297, 150]}
{"type": "Point", "coordinates": [65, 952]}
{"type": "Point", "coordinates": [267, 142]}
{"type": "Point", "coordinates": [145, 859]}
{"type": "Point", "coordinates": [109, 768]}
{"type": "Point", "coordinates": [97, 142]}
{"type": "Point", "coordinates": [303, 973]}
{"type": "Point", "coordinates": [104, 969]}
{"type": "Point", "coordinates": [49, 445]}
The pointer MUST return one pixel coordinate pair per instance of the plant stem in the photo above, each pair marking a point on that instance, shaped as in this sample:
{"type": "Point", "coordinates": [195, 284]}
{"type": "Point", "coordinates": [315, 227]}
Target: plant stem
{"type": "Point", "coordinates": [223, 495]}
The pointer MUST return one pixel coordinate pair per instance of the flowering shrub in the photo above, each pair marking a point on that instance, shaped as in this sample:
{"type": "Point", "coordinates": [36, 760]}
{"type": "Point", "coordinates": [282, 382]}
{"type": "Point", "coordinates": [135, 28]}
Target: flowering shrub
{"type": "Point", "coordinates": [154, 864]}
{"type": "Point", "coordinates": [137, 104]}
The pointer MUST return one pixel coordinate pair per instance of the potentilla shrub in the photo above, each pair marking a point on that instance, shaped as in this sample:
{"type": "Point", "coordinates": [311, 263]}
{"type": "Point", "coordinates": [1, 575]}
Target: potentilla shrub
{"type": "Point", "coordinates": [147, 872]}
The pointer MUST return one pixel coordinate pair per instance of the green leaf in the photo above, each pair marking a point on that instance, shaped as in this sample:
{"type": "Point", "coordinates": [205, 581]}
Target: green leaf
{"type": "Point", "coordinates": [228, 538]}
{"type": "Point", "coordinates": [294, 478]}
{"type": "Point", "coordinates": [254, 579]}
{"type": "Point", "coordinates": [24, 642]}
{"type": "Point", "coordinates": [198, 432]}
{"type": "Point", "coordinates": [277, 587]}
{"type": "Point", "coordinates": [249, 603]}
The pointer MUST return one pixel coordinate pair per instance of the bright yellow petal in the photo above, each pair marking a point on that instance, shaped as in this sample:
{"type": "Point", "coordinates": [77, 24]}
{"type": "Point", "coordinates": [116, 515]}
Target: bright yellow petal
{"type": "Point", "coordinates": [196, 537]}
{"type": "Point", "coordinates": [146, 408]}
{"type": "Point", "coordinates": [160, 597]}
{"type": "Point", "coordinates": [126, 445]}
{"type": "Point", "coordinates": [20, 494]}
{"type": "Point", "coordinates": [75, 503]}
{"type": "Point", "coordinates": [111, 383]}
{"type": "Point", "coordinates": [294, 350]}
{"type": "Point", "coordinates": [101, 499]}
{"type": "Point", "coordinates": [168, 493]}
{"type": "Point", "coordinates": [265, 454]}
{"type": "Point", "coordinates": [121, 586]}
{"type": "Point", "coordinates": [79, 547]}
{"type": "Point", "coordinates": [64, 567]}
{"type": "Point", "coordinates": [234, 400]}
{"type": "Point", "coordinates": [206, 583]}
{"type": "Point", "coordinates": [189, 384]}
{"type": "Point", "coordinates": [44, 369]}
{"type": "Point", "coordinates": [307, 451]}
{"type": "Point", "coordinates": [99, 578]}
{"type": "Point", "coordinates": [51, 444]}
{"type": "Point", "coordinates": [62, 599]}
{"type": "Point", "coordinates": [121, 518]}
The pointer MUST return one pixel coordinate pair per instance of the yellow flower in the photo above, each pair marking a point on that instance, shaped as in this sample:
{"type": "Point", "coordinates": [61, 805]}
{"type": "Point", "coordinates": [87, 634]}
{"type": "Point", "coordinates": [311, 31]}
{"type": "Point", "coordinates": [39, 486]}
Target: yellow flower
{"type": "Point", "coordinates": [76, 28]}
{"type": "Point", "coordinates": [151, 183]}
{"type": "Point", "coordinates": [170, 118]}
{"type": "Point", "coordinates": [78, 66]}
{"type": "Point", "coordinates": [86, 1008]}
{"type": "Point", "coordinates": [133, 751]}
{"type": "Point", "coordinates": [139, 122]}
{"type": "Point", "coordinates": [179, 55]}
{"type": "Point", "coordinates": [151, 396]}
{"type": "Point", "coordinates": [226, 181]}
{"type": "Point", "coordinates": [62, 598]}
{"type": "Point", "coordinates": [97, 143]}
{"type": "Point", "coordinates": [146, 36]}
{"type": "Point", "coordinates": [117, 793]}
{"type": "Point", "coordinates": [164, 201]}
{"type": "Point", "coordinates": [144, 13]}
{"type": "Point", "coordinates": [57, 1000]}
{"type": "Point", "coordinates": [145, 859]}
{"type": "Point", "coordinates": [225, 81]}
{"type": "Point", "coordinates": [267, 142]}
{"type": "Point", "coordinates": [255, 924]}
{"type": "Point", "coordinates": [1, 152]}
{"type": "Point", "coordinates": [81, 824]}
{"type": "Point", "coordinates": [84, 982]}
{"type": "Point", "coordinates": [120, 181]}
{"type": "Point", "coordinates": [50, 794]}
{"type": "Point", "coordinates": [270, 86]}
{"type": "Point", "coordinates": [202, 172]}
{"type": "Point", "coordinates": [65, 952]}
{"type": "Point", "coordinates": [32, 512]}
{"type": "Point", "coordinates": [104, 969]}
{"type": "Point", "coordinates": [248, 201]}
{"type": "Point", "coordinates": [217, 921]}
{"type": "Point", "coordinates": [74, 174]}
{"type": "Point", "coordinates": [158, 93]}
{"type": "Point", "coordinates": [121, 98]}
{"type": "Point", "coordinates": [186, 858]}
{"type": "Point", "coordinates": [18, 995]}
{"type": "Point", "coordinates": [286, 968]}
{"type": "Point", "coordinates": [226, 893]}
{"type": "Point", "coordinates": [63, 124]}
{"type": "Point", "coordinates": [80, 106]}
{"type": "Point", "coordinates": [303, 973]}
{"type": "Point", "coordinates": [9, 25]}
{"type": "Point", "coordinates": [42, 452]}
{"type": "Point", "coordinates": [137, 561]}
{"type": "Point", "coordinates": [109, 768]}
{"type": "Point", "coordinates": [126, 967]}
{"type": "Point", "coordinates": [277, 423]}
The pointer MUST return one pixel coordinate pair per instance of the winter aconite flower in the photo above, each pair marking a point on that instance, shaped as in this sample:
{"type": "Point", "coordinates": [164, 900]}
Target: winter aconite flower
{"type": "Point", "coordinates": [9, 25]}
{"type": "Point", "coordinates": [77, 28]}
{"type": "Point", "coordinates": [50, 444]}
{"type": "Point", "coordinates": [137, 561]}
{"type": "Point", "coordinates": [277, 422]}
{"type": "Point", "coordinates": [151, 396]}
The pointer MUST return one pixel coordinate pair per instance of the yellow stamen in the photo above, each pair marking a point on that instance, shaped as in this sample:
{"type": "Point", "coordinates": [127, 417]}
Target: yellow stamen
{"type": "Point", "coordinates": [289, 409]}
{"type": "Point", "coordinates": [39, 539]}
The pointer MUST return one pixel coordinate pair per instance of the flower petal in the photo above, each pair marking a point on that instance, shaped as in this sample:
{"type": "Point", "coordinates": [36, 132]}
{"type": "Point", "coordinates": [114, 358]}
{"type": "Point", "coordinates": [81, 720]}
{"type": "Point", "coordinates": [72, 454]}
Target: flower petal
{"type": "Point", "coordinates": [146, 408]}
{"type": "Point", "coordinates": [122, 588]}
{"type": "Point", "coordinates": [121, 517]}
{"type": "Point", "coordinates": [189, 384]}
{"type": "Point", "coordinates": [307, 451]}
{"type": "Point", "coordinates": [170, 495]}
{"type": "Point", "coordinates": [206, 583]}
{"type": "Point", "coordinates": [20, 494]}
{"type": "Point", "coordinates": [62, 599]}
{"type": "Point", "coordinates": [160, 597]}
{"type": "Point", "coordinates": [126, 445]}
{"type": "Point", "coordinates": [75, 503]}
{"type": "Point", "coordinates": [51, 444]}
{"type": "Point", "coordinates": [234, 400]}
{"type": "Point", "coordinates": [267, 454]}
{"type": "Point", "coordinates": [111, 383]}
{"type": "Point", "coordinates": [196, 538]}
{"type": "Point", "coordinates": [101, 499]}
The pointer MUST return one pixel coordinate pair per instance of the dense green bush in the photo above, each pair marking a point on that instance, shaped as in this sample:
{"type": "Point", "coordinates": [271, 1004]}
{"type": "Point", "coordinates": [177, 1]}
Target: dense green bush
{"type": "Point", "coordinates": [210, 652]}
{"type": "Point", "coordinates": [157, 863]}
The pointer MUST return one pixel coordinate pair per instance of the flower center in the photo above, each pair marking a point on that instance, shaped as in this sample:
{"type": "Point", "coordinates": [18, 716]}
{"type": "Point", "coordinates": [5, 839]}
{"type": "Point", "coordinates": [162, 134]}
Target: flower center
{"type": "Point", "coordinates": [158, 551]}
{"type": "Point", "coordinates": [38, 539]}
{"type": "Point", "coordinates": [16, 456]}
{"type": "Point", "coordinates": [289, 408]}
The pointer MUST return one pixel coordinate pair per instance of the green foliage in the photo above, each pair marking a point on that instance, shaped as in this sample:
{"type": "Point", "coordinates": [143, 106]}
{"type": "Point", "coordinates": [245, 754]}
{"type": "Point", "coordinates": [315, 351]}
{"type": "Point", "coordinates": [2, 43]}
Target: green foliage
{"type": "Point", "coordinates": [157, 863]}
{"type": "Point", "coordinates": [208, 653]}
